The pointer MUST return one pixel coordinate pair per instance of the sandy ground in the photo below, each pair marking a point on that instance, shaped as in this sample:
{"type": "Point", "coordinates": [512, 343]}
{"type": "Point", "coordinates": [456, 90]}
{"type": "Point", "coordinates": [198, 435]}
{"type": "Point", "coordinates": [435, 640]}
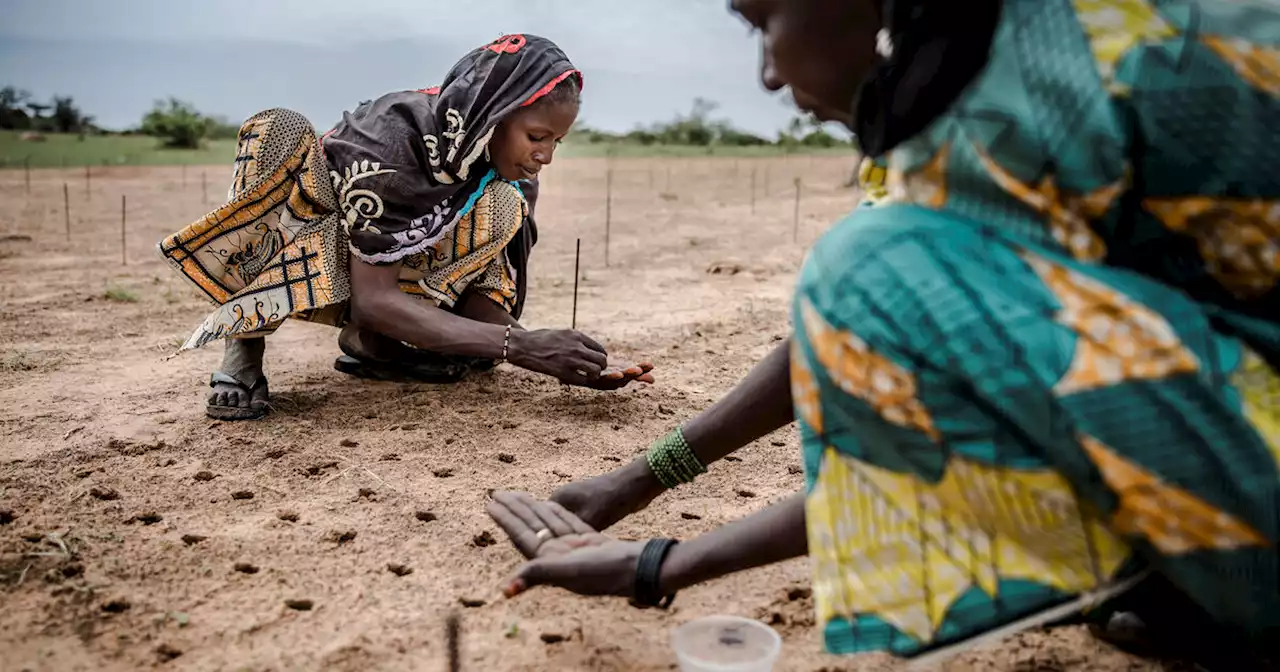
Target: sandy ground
{"type": "Point", "coordinates": [141, 533]}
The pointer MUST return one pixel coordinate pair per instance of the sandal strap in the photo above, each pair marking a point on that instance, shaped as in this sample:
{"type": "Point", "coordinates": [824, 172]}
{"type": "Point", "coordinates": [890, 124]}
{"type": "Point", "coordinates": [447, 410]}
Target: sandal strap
{"type": "Point", "coordinates": [219, 377]}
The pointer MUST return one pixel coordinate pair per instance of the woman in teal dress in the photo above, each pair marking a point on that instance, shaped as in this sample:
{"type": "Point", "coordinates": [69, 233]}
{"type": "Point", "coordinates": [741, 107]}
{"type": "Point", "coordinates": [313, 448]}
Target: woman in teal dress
{"type": "Point", "coordinates": [1037, 373]}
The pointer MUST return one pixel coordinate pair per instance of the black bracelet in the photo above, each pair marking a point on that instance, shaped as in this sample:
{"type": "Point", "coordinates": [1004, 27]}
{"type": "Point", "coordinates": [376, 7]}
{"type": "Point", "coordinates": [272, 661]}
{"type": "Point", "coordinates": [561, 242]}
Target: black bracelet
{"type": "Point", "coordinates": [648, 575]}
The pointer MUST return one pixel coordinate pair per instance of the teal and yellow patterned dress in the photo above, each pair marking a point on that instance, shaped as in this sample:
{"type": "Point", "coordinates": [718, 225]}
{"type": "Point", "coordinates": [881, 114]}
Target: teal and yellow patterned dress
{"type": "Point", "coordinates": [1043, 362]}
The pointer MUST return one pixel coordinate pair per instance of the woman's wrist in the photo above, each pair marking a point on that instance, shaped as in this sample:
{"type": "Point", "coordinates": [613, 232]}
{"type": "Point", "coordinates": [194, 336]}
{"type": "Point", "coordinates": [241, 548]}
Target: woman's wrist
{"type": "Point", "coordinates": [516, 352]}
{"type": "Point", "coordinates": [639, 483]}
{"type": "Point", "coordinates": [676, 569]}
{"type": "Point", "coordinates": [672, 461]}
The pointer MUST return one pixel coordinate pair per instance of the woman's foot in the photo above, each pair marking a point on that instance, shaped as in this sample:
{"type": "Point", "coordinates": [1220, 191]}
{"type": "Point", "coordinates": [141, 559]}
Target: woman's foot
{"type": "Point", "coordinates": [239, 386]}
{"type": "Point", "coordinates": [372, 356]}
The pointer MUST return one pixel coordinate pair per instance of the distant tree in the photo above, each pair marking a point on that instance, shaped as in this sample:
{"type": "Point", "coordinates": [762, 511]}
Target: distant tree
{"type": "Point", "coordinates": [67, 118]}
{"type": "Point", "coordinates": [643, 137]}
{"type": "Point", "coordinates": [222, 128]}
{"type": "Point", "coordinates": [735, 138]}
{"type": "Point", "coordinates": [807, 131]}
{"type": "Point", "coordinates": [13, 116]}
{"type": "Point", "coordinates": [176, 123]}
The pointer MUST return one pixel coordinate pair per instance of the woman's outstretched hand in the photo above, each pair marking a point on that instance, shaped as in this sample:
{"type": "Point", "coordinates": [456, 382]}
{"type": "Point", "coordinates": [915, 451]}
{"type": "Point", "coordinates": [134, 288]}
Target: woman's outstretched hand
{"type": "Point", "coordinates": [573, 358]}
{"type": "Point", "coordinates": [562, 550]}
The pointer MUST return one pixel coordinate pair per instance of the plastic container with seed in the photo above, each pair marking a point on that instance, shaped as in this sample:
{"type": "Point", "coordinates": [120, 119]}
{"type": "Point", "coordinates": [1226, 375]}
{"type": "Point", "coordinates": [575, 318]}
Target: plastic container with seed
{"type": "Point", "coordinates": [726, 644]}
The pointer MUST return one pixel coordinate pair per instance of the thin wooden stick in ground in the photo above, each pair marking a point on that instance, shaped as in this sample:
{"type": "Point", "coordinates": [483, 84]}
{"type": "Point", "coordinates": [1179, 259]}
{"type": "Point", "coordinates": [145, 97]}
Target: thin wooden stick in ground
{"type": "Point", "coordinates": [608, 212]}
{"type": "Point", "coordinates": [795, 230]}
{"type": "Point", "coordinates": [66, 208]}
{"type": "Point", "coordinates": [452, 633]}
{"type": "Point", "coordinates": [124, 253]}
{"type": "Point", "coordinates": [577, 258]}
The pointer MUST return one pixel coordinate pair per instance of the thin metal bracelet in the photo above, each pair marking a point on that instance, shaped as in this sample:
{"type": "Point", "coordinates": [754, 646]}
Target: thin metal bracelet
{"type": "Point", "coordinates": [506, 345]}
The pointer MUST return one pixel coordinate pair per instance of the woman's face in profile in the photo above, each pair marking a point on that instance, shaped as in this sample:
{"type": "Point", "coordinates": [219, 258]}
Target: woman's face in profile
{"type": "Point", "coordinates": [820, 49]}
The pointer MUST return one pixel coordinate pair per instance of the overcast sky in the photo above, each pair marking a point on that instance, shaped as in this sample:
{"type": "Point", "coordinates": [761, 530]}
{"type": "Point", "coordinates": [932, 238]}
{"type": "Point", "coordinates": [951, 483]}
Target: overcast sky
{"type": "Point", "coordinates": [644, 60]}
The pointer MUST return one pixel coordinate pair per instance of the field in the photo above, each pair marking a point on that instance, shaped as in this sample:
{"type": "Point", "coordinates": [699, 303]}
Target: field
{"type": "Point", "coordinates": [69, 151]}
{"type": "Point", "coordinates": [140, 533]}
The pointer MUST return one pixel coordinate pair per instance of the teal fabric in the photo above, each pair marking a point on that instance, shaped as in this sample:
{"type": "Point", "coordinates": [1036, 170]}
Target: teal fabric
{"type": "Point", "coordinates": [960, 283]}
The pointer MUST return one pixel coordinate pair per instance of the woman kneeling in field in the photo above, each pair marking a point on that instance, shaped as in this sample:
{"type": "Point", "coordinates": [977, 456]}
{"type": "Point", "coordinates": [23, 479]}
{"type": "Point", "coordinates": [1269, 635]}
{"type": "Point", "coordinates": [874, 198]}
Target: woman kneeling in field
{"type": "Point", "coordinates": [1040, 372]}
{"type": "Point", "coordinates": [409, 225]}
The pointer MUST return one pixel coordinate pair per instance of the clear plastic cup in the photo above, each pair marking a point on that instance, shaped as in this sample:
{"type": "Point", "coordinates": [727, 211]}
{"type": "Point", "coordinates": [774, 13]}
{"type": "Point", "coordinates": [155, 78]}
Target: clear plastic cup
{"type": "Point", "coordinates": [726, 644]}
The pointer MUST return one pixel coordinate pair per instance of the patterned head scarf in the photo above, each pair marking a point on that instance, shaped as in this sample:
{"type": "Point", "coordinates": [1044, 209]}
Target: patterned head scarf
{"type": "Point", "coordinates": [408, 166]}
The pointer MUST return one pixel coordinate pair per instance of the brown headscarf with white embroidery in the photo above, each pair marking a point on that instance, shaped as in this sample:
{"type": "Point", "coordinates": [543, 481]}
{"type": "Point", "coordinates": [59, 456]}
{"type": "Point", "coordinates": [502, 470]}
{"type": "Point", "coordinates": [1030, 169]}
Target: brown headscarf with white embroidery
{"type": "Point", "coordinates": [409, 165]}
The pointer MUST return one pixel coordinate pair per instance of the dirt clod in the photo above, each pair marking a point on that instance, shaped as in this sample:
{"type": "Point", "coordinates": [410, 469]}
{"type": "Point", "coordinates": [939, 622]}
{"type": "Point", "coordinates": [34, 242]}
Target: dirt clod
{"type": "Point", "coordinates": [340, 536]}
{"type": "Point", "coordinates": [348, 443]}
{"type": "Point", "coordinates": [399, 570]}
{"type": "Point", "coordinates": [242, 495]}
{"type": "Point", "coordinates": [390, 457]}
{"type": "Point", "coordinates": [366, 493]}
{"type": "Point", "coordinates": [798, 593]}
{"type": "Point", "coordinates": [299, 605]}
{"type": "Point", "coordinates": [745, 493]}
{"type": "Point", "coordinates": [276, 453]}
{"type": "Point", "coordinates": [167, 653]}
{"type": "Point", "coordinates": [690, 516]}
{"type": "Point", "coordinates": [72, 570]}
{"type": "Point", "coordinates": [471, 602]}
{"type": "Point", "coordinates": [730, 458]}
{"type": "Point", "coordinates": [192, 539]}
{"type": "Point", "coordinates": [408, 426]}
{"type": "Point", "coordinates": [104, 493]}
{"type": "Point", "coordinates": [778, 444]}
{"type": "Point", "coordinates": [552, 637]}
{"type": "Point", "coordinates": [316, 470]}
{"type": "Point", "coordinates": [85, 473]}
{"type": "Point", "coordinates": [246, 568]}
{"type": "Point", "coordinates": [560, 441]}
{"type": "Point", "coordinates": [287, 516]}
{"type": "Point", "coordinates": [33, 538]}
{"type": "Point", "coordinates": [425, 516]}
{"type": "Point", "coordinates": [483, 540]}
{"type": "Point", "coordinates": [6, 516]}
{"type": "Point", "coordinates": [117, 605]}
{"type": "Point", "coordinates": [794, 469]}
{"type": "Point", "coordinates": [510, 424]}
{"type": "Point", "coordinates": [443, 473]}
{"type": "Point", "coordinates": [506, 458]}
{"type": "Point", "coordinates": [149, 518]}
{"type": "Point", "coordinates": [205, 476]}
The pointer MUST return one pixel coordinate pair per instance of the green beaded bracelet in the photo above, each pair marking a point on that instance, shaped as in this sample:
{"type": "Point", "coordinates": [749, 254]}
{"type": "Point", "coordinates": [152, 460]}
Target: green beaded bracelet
{"type": "Point", "coordinates": [672, 461]}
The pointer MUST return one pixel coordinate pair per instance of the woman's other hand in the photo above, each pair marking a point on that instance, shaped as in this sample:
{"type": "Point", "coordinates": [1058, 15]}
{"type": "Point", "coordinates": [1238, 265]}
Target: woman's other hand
{"type": "Point", "coordinates": [563, 550]}
{"type": "Point", "coordinates": [571, 357]}
{"type": "Point", "coordinates": [615, 378]}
